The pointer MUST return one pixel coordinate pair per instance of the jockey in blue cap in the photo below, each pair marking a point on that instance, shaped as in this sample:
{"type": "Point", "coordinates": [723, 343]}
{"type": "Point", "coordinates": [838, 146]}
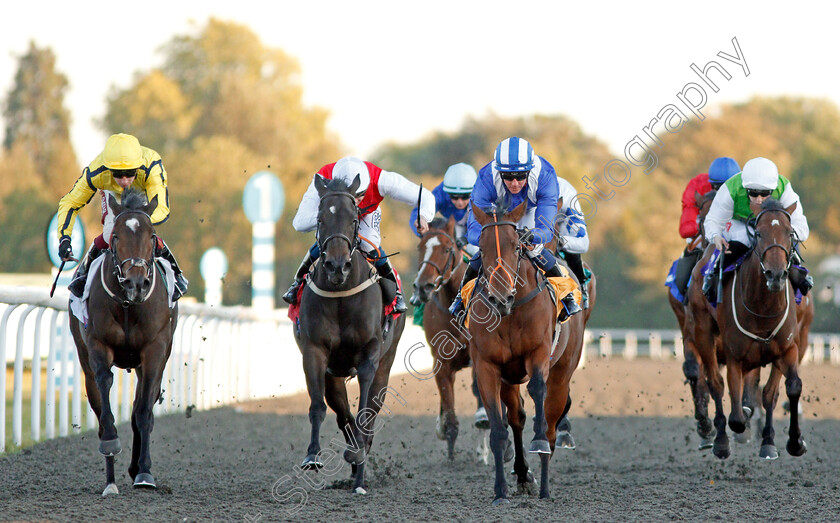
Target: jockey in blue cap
{"type": "Point", "coordinates": [518, 174]}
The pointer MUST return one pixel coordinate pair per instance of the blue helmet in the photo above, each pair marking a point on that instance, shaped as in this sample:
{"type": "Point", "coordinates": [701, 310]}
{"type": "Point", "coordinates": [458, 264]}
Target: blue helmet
{"type": "Point", "coordinates": [722, 169]}
{"type": "Point", "coordinates": [459, 179]}
{"type": "Point", "coordinates": [514, 155]}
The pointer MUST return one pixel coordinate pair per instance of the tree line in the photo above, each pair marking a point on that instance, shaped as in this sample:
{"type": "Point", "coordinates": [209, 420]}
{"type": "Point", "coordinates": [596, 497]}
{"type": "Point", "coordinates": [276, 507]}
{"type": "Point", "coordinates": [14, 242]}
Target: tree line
{"type": "Point", "coordinates": [222, 106]}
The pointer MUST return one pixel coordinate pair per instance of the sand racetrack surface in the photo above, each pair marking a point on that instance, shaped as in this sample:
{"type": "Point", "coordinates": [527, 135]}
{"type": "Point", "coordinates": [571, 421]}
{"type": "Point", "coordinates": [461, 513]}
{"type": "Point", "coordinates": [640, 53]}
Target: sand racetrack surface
{"type": "Point", "coordinates": [636, 459]}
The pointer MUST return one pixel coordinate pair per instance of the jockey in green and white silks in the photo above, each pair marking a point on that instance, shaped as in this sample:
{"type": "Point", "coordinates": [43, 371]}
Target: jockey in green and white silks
{"type": "Point", "coordinates": [727, 222]}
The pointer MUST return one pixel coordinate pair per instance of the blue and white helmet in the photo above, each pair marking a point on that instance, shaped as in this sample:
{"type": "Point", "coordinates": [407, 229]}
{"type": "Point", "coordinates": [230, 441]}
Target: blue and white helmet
{"type": "Point", "coordinates": [722, 169]}
{"type": "Point", "coordinates": [514, 155]}
{"type": "Point", "coordinates": [459, 179]}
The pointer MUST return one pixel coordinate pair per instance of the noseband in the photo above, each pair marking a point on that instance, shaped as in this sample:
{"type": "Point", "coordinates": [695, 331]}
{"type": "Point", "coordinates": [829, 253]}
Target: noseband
{"type": "Point", "coordinates": [449, 265]}
{"type": "Point", "coordinates": [120, 268]}
{"type": "Point", "coordinates": [499, 266]}
{"type": "Point", "coordinates": [351, 243]}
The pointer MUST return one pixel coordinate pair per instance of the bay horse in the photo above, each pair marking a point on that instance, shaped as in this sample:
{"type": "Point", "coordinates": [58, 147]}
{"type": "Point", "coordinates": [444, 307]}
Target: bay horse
{"type": "Point", "coordinates": [758, 325]}
{"type": "Point", "coordinates": [439, 275]}
{"type": "Point", "coordinates": [130, 326]}
{"type": "Point", "coordinates": [512, 323]}
{"type": "Point", "coordinates": [341, 331]}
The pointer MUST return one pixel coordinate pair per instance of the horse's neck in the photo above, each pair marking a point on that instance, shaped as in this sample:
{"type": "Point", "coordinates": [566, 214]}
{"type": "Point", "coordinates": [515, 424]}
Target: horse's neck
{"type": "Point", "coordinates": [528, 274]}
{"type": "Point", "coordinates": [754, 292]}
{"type": "Point", "coordinates": [450, 289]}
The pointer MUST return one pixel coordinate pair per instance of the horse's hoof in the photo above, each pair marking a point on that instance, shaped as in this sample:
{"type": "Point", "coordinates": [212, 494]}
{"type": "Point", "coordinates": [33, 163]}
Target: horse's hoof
{"type": "Point", "coordinates": [110, 447]}
{"type": "Point", "coordinates": [481, 419]}
{"type": "Point", "coordinates": [737, 427]}
{"type": "Point", "coordinates": [540, 446]}
{"type": "Point", "coordinates": [509, 452]}
{"type": "Point", "coordinates": [439, 429]}
{"type": "Point", "coordinates": [500, 501]}
{"type": "Point", "coordinates": [768, 452]}
{"type": "Point", "coordinates": [144, 480]}
{"type": "Point", "coordinates": [359, 490]}
{"type": "Point", "coordinates": [747, 411]}
{"type": "Point", "coordinates": [705, 443]}
{"type": "Point", "coordinates": [796, 448]}
{"type": "Point", "coordinates": [721, 451]}
{"type": "Point", "coordinates": [565, 440]}
{"type": "Point", "coordinates": [111, 489]}
{"type": "Point", "coordinates": [311, 462]}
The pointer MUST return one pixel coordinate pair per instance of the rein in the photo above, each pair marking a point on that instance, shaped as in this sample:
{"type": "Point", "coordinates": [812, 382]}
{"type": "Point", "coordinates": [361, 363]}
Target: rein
{"type": "Point", "coordinates": [119, 271]}
{"type": "Point", "coordinates": [495, 224]}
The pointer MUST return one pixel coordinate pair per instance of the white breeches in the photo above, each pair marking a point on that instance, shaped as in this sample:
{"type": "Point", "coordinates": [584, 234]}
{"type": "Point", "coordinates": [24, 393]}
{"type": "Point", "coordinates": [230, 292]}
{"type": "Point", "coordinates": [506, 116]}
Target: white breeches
{"type": "Point", "coordinates": [369, 229]}
{"type": "Point", "coordinates": [737, 231]}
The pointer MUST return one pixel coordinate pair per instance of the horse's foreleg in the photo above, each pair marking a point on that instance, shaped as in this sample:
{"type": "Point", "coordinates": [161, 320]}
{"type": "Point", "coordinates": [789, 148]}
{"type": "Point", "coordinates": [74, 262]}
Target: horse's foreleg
{"type": "Point", "coordinates": [510, 396]}
{"type": "Point", "coordinates": [714, 380]}
{"type": "Point", "coordinates": [100, 364]}
{"type": "Point", "coordinates": [152, 362]}
{"type": "Point", "coordinates": [314, 367]}
{"type": "Point", "coordinates": [793, 387]}
{"type": "Point", "coordinates": [735, 379]}
{"type": "Point", "coordinates": [365, 421]}
{"type": "Point", "coordinates": [489, 387]}
{"type": "Point", "coordinates": [133, 468]}
{"type": "Point", "coordinates": [769, 397]}
{"type": "Point", "coordinates": [447, 423]}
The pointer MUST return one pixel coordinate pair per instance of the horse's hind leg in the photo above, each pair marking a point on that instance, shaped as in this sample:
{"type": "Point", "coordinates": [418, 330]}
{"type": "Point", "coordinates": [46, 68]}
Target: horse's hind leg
{"type": "Point", "coordinates": [564, 438]}
{"type": "Point", "coordinates": [336, 396]}
{"type": "Point", "coordinates": [793, 388]}
{"type": "Point", "coordinates": [735, 379]}
{"type": "Point", "coordinates": [750, 403]}
{"type": "Point", "coordinates": [769, 397]}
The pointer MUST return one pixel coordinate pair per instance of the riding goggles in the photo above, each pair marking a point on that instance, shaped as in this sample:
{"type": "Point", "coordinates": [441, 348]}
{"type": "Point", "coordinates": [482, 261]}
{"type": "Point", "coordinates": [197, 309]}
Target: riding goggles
{"type": "Point", "coordinates": [124, 173]}
{"type": "Point", "coordinates": [465, 196]}
{"type": "Point", "coordinates": [756, 193]}
{"type": "Point", "coordinates": [509, 177]}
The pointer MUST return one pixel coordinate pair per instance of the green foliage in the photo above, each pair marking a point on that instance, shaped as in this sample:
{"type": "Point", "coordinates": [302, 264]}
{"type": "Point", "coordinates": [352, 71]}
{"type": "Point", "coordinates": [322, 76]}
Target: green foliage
{"type": "Point", "coordinates": [24, 217]}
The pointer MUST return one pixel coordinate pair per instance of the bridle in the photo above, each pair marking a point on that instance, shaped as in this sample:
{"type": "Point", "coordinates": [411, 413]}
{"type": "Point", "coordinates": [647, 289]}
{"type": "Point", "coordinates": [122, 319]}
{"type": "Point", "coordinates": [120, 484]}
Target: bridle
{"type": "Point", "coordinates": [442, 278]}
{"type": "Point", "coordinates": [351, 243]}
{"type": "Point", "coordinates": [495, 224]}
{"type": "Point", "coordinates": [120, 268]}
{"type": "Point", "coordinates": [755, 236]}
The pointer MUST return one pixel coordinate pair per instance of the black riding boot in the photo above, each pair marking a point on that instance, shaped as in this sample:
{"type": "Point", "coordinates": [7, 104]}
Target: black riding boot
{"type": "Point", "coordinates": [77, 285]}
{"type": "Point", "coordinates": [568, 301]}
{"type": "Point", "coordinates": [799, 276]}
{"type": "Point", "coordinates": [181, 283]}
{"type": "Point", "coordinates": [576, 265]}
{"type": "Point", "coordinates": [458, 303]}
{"type": "Point", "coordinates": [386, 271]}
{"type": "Point", "coordinates": [291, 295]}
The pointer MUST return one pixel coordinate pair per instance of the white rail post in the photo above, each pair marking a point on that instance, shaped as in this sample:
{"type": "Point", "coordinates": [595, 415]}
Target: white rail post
{"type": "Point", "coordinates": [63, 397]}
{"type": "Point", "coordinates": [49, 401]}
{"type": "Point", "coordinates": [834, 349]}
{"type": "Point", "coordinates": [606, 345]}
{"type": "Point", "coordinates": [35, 397]}
{"type": "Point", "coordinates": [818, 350]}
{"type": "Point", "coordinates": [655, 341]}
{"type": "Point", "coordinates": [4, 323]}
{"type": "Point", "coordinates": [17, 398]}
{"type": "Point", "coordinates": [78, 376]}
{"type": "Point", "coordinates": [679, 349]}
{"type": "Point", "coordinates": [631, 345]}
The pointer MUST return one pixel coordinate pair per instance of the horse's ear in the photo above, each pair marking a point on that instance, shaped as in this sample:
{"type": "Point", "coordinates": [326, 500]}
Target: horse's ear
{"type": "Point", "coordinates": [517, 214]}
{"type": "Point", "coordinates": [791, 208]}
{"type": "Point", "coordinates": [450, 226]}
{"type": "Point", "coordinates": [480, 215]}
{"type": "Point", "coordinates": [559, 203]}
{"type": "Point", "coordinates": [357, 181]}
{"type": "Point", "coordinates": [320, 184]}
{"type": "Point", "coordinates": [151, 206]}
{"type": "Point", "coordinates": [116, 208]}
{"type": "Point", "coordinates": [698, 198]}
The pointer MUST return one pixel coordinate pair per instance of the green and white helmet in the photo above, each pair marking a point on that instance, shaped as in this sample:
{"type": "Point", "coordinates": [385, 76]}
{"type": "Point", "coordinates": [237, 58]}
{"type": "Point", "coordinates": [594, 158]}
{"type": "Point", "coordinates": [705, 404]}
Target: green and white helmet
{"type": "Point", "coordinates": [760, 174]}
{"type": "Point", "coordinates": [459, 179]}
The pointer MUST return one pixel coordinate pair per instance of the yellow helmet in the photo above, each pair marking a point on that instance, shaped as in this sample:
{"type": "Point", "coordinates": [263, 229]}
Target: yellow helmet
{"type": "Point", "coordinates": [122, 151]}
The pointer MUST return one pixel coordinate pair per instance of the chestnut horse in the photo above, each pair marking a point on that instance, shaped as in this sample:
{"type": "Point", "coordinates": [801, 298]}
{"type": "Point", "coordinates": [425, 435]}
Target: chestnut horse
{"type": "Point", "coordinates": [512, 323]}
{"type": "Point", "coordinates": [758, 325]}
{"type": "Point", "coordinates": [130, 327]}
{"type": "Point", "coordinates": [341, 331]}
{"type": "Point", "coordinates": [439, 275]}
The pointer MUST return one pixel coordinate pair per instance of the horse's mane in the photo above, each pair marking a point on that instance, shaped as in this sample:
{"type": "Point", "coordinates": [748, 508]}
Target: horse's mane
{"type": "Point", "coordinates": [133, 199]}
{"type": "Point", "coordinates": [708, 196]}
{"type": "Point", "coordinates": [438, 223]}
{"type": "Point", "coordinates": [500, 206]}
{"type": "Point", "coordinates": [772, 204]}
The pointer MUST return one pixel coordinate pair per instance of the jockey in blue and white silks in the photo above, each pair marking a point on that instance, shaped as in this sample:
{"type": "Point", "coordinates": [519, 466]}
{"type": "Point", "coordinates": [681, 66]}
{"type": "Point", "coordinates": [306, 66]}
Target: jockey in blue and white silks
{"type": "Point", "coordinates": [518, 175]}
{"type": "Point", "coordinates": [572, 238]}
{"type": "Point", "coordinates": [452, 198]}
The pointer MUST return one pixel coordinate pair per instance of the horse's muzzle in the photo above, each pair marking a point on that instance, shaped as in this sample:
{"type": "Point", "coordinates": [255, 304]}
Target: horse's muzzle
{"type": "Point", "coordinates": [337, 270]}
{"type": "Point", "coordinates": [775, 279]}
{"type": "Point", "coordinates": [503, 305]}
{"type": "Point", "coordinates": [136, 288]}
{"type": "Point", "coordinates": [424, 291]}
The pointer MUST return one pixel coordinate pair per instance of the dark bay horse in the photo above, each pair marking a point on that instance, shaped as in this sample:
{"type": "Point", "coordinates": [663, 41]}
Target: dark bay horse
{"type": "Point", "coordinates": [341, 331]}
{"type": "Point", "coordinates": [439, 275]}
{"type": "Point", "coordinates": [512, 323]}
{"type": "Point", "coordinates": [758, 325]}
{"type": "Point", "coordinates": [130, 326]}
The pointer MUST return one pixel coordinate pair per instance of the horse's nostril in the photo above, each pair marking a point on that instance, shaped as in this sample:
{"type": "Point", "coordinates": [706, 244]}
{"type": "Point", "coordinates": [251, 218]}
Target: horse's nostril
{"type": "Point", "coordinates": [347, 267]}
{"type": "Point", "coordinates": [329, 266]}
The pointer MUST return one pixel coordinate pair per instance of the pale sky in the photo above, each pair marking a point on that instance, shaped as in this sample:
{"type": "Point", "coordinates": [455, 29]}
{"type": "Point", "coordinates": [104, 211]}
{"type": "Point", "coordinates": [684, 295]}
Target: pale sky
{"type": "Point", "coordinates": [398, 71]}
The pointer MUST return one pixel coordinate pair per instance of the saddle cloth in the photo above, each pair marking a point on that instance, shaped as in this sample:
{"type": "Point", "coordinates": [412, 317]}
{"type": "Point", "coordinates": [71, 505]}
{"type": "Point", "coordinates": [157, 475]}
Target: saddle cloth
{"type": "Point", "coordinates": [78, 306]}
{"type": "Point", "coordinates": [562, 286]}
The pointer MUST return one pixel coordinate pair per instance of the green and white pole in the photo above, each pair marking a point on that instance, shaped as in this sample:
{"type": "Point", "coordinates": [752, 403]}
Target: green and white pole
{"type": "Point", "coordinates": [263, 201]}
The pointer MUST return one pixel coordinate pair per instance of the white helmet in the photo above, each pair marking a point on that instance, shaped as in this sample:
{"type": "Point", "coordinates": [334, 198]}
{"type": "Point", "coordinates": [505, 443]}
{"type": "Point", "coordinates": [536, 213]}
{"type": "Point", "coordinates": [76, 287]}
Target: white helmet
{"type": "Point", "coordinates": [761, 174]}
{"type": "Point", "coordinates": [459, 179]}
{"type": "Point", "coordinates": [346, 170]}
